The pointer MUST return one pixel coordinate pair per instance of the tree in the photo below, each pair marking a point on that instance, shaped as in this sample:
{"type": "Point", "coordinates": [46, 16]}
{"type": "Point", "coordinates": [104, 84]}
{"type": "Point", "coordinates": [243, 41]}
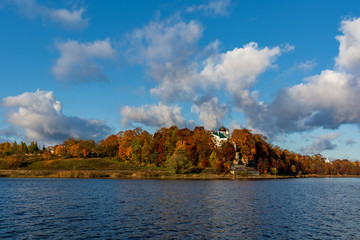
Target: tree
{"type": "Point", "coordinates": [60, 150]}
{"type": "Point", "coordinates": [75, 150]}
{"type": "Point", "coordinates": [16, 161]}
{"type": "Point", "coordinates": [5, 148]}
{"type": "Point", "coordinates": [245, 143]}
{"type": "Point", "coordinates": [14, 148]}
{"type": "Point", "coordinates": [125, 141]}
{"type": "Point", "coordinates": [204, 145]}
{"type": "Point", "coordinates": [33, 148]}
{"type": "Point", "coordinates": [109, 147]}
{"type": "Point", "coordinates": [178, 161]}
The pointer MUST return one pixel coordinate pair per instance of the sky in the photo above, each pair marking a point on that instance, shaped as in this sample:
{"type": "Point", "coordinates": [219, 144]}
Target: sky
{"type": "Point", "coordinates": [286, 69]}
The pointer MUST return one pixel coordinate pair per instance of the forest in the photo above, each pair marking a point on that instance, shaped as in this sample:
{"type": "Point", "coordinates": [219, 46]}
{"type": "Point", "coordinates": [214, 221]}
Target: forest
{"type": "Point", "coordinates": [182, 151]}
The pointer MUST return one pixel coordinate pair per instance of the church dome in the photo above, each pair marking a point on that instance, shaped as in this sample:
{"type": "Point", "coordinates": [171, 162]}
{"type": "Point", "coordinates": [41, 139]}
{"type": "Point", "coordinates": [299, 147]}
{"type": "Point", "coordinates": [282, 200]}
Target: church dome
{"type": "Point", "coordinates": [222, 129]}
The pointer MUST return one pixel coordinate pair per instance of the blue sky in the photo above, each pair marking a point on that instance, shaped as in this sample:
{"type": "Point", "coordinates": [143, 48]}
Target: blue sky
{"type": "Point", "coordinates": [88, 69]}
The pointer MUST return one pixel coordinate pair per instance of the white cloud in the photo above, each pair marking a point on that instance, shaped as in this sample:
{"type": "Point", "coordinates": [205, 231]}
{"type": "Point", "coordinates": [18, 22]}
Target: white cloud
{"type": "Point", "coordinates": [155, 42]}
{"type": "Point", "coordinates": [327, 100]}
{"type": "Point", "coordinates": [69, 19]}
{"type": "Point", "coordinates": [166, 48]}
{"type": "Point", "coordinates": [211, 113]}
{"type": "Point", "coordinates": [181, 71]}
{"type": "Point", "coordinates": [238, 69]}
{"type": "Point", "coordinates": [78, 61]}
{"type": "Point", "coordinates": [307, 65]}
{"type": "Point", "coordinates": [40, 115]}
{"type": "Point", "coordinates": [153, 115]}
{"type": "Point", "coordinates": [320, 144]}
{"type": "Point", "coordinates": [349, 49]}
{"type": "Point", "coordinates": [214, 7]}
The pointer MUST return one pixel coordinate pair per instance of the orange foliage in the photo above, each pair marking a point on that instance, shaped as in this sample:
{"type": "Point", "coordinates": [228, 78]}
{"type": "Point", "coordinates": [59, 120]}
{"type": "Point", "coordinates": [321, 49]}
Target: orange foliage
{"type": "Point", "coordinates": [60, 150]}
{"type": "Point", "coordinates": [245, 143]}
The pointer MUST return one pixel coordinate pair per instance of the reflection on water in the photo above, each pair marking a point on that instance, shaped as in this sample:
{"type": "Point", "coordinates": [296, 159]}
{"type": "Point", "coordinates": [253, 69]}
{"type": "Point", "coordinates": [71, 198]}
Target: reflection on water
{"type": "Point", "coordinates": [118, 209]}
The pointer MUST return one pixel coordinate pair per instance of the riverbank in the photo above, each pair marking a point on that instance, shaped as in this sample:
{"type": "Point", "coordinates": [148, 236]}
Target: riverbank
{"type": "Point", "coordinates": [113, 174]}
{"type": "Point", "coordinates": [113, 169]}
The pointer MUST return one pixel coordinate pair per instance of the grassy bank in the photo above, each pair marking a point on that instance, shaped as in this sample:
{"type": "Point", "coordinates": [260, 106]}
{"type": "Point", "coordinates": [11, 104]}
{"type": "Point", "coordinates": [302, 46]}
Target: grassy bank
{"type": "Point", "coordinates": [102, 168]}
{"type": "Point", "coordinates": [110, 168]}
{"type": "Point", "coordinates": [78, 168]}
{"type": "Point", "coordinates": [113, 174]}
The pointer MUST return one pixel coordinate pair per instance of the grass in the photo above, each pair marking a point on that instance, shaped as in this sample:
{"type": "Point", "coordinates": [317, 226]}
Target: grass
{"type": "Point", "coordinates": [77, 164]}
{"type": "Point", "coordinates": [101, 168]}
{"type": "Point", "coordinates": [3, 163]}
{"type": "Point", "coordinates": [80, 168]}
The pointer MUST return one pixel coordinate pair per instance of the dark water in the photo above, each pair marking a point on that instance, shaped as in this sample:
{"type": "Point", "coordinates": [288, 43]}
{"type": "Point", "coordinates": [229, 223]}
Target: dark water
{"type": "Point", "coordinates": [161, 209]}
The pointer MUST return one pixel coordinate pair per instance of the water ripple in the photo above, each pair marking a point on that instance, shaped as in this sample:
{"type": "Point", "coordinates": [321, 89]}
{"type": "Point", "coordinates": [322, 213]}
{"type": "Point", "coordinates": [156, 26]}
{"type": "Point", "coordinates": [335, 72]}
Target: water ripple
{"type": "Point", "coordinates": [126, 209]}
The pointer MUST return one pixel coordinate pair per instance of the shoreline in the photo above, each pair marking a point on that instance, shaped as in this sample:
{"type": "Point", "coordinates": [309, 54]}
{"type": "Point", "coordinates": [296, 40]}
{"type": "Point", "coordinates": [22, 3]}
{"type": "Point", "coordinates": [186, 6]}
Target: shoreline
{"type": "Point", "coordinates": [113, 174]}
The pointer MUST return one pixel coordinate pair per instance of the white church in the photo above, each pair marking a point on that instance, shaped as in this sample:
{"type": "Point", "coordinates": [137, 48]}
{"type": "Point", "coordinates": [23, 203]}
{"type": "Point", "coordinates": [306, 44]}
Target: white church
{"type": "Point", "coordinates": [221, 136]}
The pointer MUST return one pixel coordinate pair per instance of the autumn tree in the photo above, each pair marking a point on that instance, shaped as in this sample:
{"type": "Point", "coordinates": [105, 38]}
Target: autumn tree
{"type": "Point", "coordinates": [178, 161]}
{"type": "Point", "coordinates": [5, 148]}
{"type": "Point", "coordinates": [125, 150]}
{"type": "Point", "coordinates": [245, 143]}
{"type": "Point", "coordinates": [110, 146]}
{"type": "Point", "coordinates": [60, 150]}
{"type": "Point", "coordinates": [204, 146]}
{"type": "Point", "coordinates": [16, 161]}
{"type": "Point", "coordinates": [69, 146]}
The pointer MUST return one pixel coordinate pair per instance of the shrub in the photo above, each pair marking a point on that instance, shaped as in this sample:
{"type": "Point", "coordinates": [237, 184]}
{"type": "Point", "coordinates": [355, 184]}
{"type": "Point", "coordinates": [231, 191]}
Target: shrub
{"type": "Point", "coordinates": [273, 171]}
{"type": "Point", "coordinates": [16, 161]}
{"type": "Point", "coordinates": [177, 163]}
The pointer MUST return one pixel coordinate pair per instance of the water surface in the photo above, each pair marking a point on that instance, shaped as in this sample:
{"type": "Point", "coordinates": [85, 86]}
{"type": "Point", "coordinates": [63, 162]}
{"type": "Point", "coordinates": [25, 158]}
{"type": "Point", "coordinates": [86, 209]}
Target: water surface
{"type": "Point", "coordinates": [326, 208]}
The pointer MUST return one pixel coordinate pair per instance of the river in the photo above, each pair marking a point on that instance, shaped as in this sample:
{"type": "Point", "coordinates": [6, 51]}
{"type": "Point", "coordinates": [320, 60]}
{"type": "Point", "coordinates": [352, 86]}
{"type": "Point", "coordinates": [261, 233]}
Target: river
{"type": "Point", "coordinates": [311, 208]}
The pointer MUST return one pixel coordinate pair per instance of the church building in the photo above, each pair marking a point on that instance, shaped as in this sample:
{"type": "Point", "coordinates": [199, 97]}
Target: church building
{"type": "Point", "coordinates": [221, 136]}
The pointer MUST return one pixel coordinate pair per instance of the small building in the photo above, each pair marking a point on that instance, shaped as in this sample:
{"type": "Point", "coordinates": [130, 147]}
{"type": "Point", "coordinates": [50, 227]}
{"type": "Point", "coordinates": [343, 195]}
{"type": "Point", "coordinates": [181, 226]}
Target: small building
{"type": "Point", "coordinates": [50, 149]}
{"type": "Point", "coordinates": [221, 136]}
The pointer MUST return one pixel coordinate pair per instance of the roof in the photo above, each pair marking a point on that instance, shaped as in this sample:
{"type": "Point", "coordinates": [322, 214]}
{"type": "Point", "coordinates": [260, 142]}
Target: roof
{"type": "Point", "coordinates": [220, 135]}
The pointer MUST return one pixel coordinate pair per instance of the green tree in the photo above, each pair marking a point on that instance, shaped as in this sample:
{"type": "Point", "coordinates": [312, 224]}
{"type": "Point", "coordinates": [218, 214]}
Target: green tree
{"type": "Point", "coordinates": [178, 162]}
{"type": "Point", "coordinates": [33, 148]}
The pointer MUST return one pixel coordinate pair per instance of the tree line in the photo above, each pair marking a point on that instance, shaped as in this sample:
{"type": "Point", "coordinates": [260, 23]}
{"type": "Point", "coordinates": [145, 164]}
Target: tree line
{"type": "Point", "coordinates": [189, 150]}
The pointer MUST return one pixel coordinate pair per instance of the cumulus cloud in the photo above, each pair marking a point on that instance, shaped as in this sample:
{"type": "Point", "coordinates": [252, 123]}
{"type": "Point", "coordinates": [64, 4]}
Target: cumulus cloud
{"type": "Point", "coordinates": [182, 71]}
{"type": "Point", "coordinates": [210, 111]}
{"type": "Point", "coordinates": [326, 100]}
{"type": "Point", "coordinates": [153, 115]}
{"type": "Point", "coordinates": [154, 43]}
{"type": "Point", "coordinates": [213, 8]}
{"type": "Point", "coordinates": [165, 48]}
{"type": "Point", "coordinates": [78, 61]}
{"type": "Point", "coordinates": [69, 19]}
{"type": "Point", "coordinates": [349, 48]}
{"type": "Point", "coordinates": [321, 143]}
{"type": "Point", "coordinates": [238, 69]}
{"type": "Point", "coordinates": [40, 115]}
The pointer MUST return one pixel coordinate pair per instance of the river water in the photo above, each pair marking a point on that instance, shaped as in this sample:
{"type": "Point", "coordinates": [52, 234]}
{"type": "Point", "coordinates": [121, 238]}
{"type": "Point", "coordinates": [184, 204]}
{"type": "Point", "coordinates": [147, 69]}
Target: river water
{"type": "Point", "coordinates": [324, 208]}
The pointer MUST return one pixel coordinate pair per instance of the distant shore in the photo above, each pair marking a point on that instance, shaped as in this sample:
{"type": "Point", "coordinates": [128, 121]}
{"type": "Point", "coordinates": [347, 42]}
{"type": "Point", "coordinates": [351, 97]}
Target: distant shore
{"type": "Point", "coordinates": [109, 168]}
{"type": "Point", "coordinates": [24, 173]}
{"type": "Point", "coordinates": [110, 174]}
